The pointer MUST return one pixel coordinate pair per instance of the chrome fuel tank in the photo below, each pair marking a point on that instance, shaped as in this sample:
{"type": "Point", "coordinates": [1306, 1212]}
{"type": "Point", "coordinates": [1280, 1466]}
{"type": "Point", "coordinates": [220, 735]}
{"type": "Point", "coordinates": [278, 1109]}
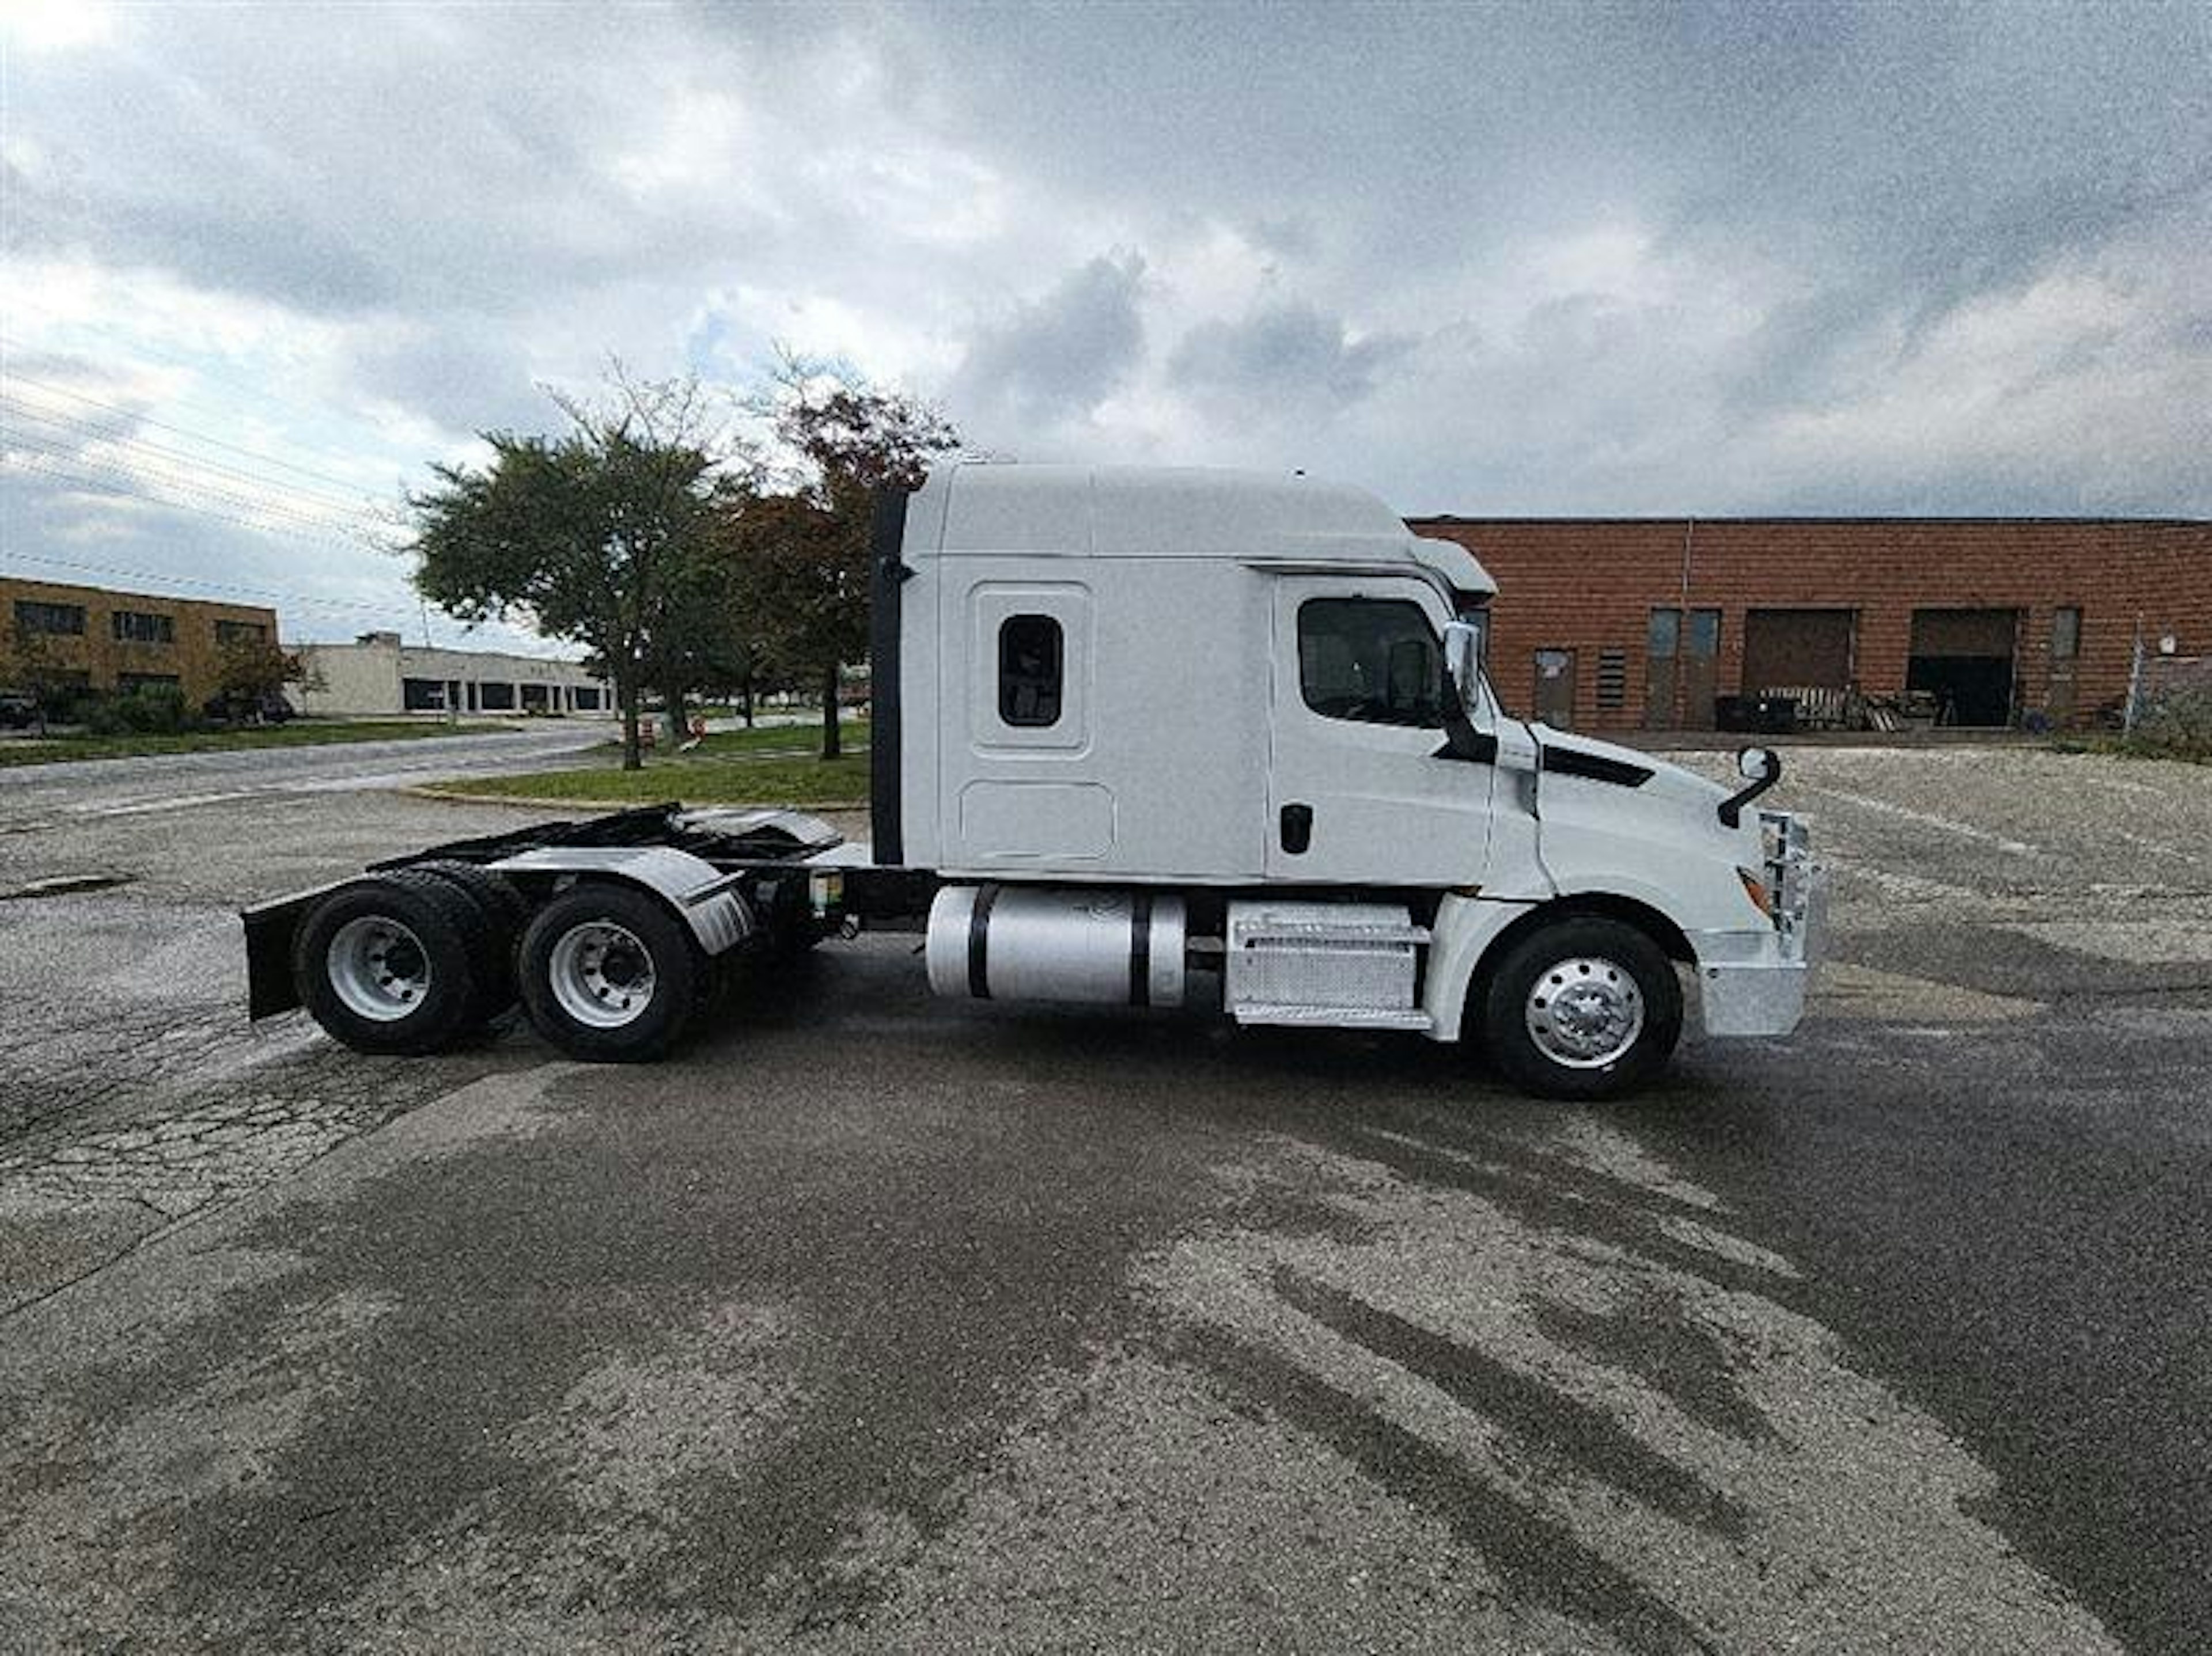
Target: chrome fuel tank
{"type": "Point", "coordinates": [1057, 942]}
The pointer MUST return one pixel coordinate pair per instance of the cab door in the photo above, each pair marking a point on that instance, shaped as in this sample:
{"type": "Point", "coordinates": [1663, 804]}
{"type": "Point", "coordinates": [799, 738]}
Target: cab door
{"type": "Point", "coordinates": [1362, 789]}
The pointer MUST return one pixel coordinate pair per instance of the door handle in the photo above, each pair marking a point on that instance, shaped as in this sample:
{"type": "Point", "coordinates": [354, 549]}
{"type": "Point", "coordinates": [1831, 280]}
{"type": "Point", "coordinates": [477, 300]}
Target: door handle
{"type": "Point", "coordinates": [1297, 830]}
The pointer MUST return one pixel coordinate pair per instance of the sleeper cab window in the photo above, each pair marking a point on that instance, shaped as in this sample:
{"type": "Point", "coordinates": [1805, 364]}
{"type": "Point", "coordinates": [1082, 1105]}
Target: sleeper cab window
{"type": "Point", "coordinates": [1374, 661]}
{"type": "Point", "coordinates": [1032, 664]}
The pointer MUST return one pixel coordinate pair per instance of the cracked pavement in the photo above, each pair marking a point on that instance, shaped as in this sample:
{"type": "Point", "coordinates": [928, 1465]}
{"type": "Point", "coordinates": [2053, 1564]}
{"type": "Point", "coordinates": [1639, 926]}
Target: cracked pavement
{"type": "Point", "coordinates": [868, 1322]}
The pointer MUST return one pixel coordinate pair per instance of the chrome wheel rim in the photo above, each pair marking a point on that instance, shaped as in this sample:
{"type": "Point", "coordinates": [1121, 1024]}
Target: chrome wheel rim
{"type": "Point", "coordinates": [1584, 1013]}
{"type": "Point", "coordinates": [377, 967]}
{"type": "Point", "coordinates": [601, 974]}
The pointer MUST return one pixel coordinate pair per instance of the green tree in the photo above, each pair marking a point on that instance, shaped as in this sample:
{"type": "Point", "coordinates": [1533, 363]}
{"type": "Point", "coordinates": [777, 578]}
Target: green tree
{"type": "Point", "coordinates": [600, 536]}
{"type": "Point", "coordinates": [249, 671]}
{"type": "Point", "coordinates": [802, 554]}
{"type": "Point", "coordinates": [31, 664]}
{"type": "Point", "coordinates": [699, 647]}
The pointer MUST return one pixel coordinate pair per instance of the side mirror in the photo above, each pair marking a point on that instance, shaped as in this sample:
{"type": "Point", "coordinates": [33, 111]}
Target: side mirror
{"type": "Point", "coordinates": [1463, 659]}
{"type": "Point", "coordinates": [1463, 695]}
{"type": "Point", "coordinates": [1758, 764]}
{"type": "Point", "coordinates": [1760, 768]}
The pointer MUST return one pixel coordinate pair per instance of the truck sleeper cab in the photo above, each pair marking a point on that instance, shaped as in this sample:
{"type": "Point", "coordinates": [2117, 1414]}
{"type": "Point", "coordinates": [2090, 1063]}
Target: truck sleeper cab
{"type": "Point", "coordinates": [1134, 728]}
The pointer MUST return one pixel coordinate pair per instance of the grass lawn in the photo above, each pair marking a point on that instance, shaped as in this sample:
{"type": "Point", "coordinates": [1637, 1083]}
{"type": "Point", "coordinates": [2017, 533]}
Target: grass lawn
{"type": "Point", "coordinates": [301, 733]}
{"type": "Point", "coordinates": [697, 779]}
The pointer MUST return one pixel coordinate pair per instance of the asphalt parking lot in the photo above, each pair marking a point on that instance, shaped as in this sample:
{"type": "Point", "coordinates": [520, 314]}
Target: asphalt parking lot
{"type": "Point", "coordinates": [869, 1322]}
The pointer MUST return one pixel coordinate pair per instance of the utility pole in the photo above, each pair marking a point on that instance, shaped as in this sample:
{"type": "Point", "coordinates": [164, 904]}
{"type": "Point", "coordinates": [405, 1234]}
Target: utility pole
{"type": "Point", "coordinates": [2135, 684]}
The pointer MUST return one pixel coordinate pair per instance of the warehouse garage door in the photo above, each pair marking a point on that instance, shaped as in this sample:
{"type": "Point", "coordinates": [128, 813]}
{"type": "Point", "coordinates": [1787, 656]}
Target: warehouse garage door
{"type": "Point", "coordinates": [1964, 658]}
{"type": "Point", "coordinates": [1790, 649]}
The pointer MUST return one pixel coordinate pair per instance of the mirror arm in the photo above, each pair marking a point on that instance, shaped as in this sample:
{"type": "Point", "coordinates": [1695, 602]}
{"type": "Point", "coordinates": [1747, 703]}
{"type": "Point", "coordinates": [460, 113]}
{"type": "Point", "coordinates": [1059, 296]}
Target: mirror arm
{"type": "Point", "coordinates": [1465, 742]}
{"type": "Point", "coordinates": [1731, 809]}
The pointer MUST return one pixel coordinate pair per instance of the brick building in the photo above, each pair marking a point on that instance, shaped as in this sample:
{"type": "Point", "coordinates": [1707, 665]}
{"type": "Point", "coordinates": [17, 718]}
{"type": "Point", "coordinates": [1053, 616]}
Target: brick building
{"type": "Point", "coordinates": [1615, 624]}
{"type": "Point", "coordinates": [107, 640]}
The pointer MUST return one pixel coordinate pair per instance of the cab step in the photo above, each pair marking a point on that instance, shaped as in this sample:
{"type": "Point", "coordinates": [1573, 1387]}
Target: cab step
{"type": "Point", "coordinates": [1337, 1017]}
{"type": "Point", "coordinates": [1331, 965]}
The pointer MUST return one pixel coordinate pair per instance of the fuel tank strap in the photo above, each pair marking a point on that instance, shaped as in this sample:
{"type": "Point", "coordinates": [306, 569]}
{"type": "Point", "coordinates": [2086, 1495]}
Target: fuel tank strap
{"type": "Point", "coordinates": [1140, 949]}
{"type": "Point", "coordinates": [979, 942]}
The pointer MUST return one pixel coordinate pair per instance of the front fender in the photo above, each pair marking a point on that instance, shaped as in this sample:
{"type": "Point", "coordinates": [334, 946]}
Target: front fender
{"type": "Point", "coordinates": [1459, 937]}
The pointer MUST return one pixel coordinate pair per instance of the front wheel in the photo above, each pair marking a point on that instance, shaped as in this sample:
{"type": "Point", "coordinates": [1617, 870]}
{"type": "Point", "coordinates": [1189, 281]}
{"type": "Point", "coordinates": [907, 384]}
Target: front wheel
{"type": "Point", "coordinates": [607, 974]}
{"type": "Point", "coordinates": [1583, 1008]}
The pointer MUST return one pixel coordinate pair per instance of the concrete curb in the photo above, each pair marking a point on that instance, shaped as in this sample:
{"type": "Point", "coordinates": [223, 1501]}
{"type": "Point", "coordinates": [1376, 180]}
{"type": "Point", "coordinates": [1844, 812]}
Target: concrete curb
{"type": "Point", "coordinates": [539, 802]}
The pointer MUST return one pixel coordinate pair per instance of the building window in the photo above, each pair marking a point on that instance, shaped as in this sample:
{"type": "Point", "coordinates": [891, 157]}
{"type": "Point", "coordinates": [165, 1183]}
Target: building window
{"type": "Point", "coordinates": [1373, 660]}
{"type": "Point", "coordinates": [143, 627]}
{"type": "Point", "coordinates": [1032, 664]}
{"type": "Point", "coordinates": [422, 695]}
{"type": "Point", "coordinates": [242, 632]}
{"type": "Point", "coordinates": [1704, 641]}
{"type": "Point", "coordinates": [2065, 634]}
{"type": "Point", "coordinates": [586, 697]}
{"type": "Point", "coordinates": [1612, 679]}
{"type": "Point", "coordinates": [497, 698]}
{"type": "Point", "coordinates": [64, 619]}
{"type": "Point", "coordinates": [126, 683]}
{"type": "Point", "coordinates": [1666, 639]}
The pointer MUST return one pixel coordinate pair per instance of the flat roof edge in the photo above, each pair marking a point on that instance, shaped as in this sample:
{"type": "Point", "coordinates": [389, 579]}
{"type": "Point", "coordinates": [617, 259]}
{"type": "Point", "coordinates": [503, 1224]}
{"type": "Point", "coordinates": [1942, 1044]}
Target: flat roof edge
{"type": "Point", "coordinates": [1446, 518]}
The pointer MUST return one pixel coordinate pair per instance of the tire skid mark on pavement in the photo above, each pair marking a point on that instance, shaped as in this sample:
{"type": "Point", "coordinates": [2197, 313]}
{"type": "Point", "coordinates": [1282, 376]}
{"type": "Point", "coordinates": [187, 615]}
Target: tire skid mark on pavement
{"type": "Point", "coordinates": [1536, 1560]}
{"type": "Point", "coordinates": [1788, 1497]}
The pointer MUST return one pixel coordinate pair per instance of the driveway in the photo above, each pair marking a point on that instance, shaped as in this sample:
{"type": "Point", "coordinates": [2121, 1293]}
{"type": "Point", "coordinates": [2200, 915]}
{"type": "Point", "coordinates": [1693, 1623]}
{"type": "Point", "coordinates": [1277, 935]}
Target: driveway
{"type": "Point", "coordinates": [871, 1322]}
{"type": "Point", "coordinates": [33, 797]}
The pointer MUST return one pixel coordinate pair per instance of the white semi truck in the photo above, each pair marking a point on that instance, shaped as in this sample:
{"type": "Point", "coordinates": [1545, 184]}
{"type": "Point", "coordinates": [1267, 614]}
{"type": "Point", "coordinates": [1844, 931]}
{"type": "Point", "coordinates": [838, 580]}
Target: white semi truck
{"type": "Point", "coordinates": [1153, 737]}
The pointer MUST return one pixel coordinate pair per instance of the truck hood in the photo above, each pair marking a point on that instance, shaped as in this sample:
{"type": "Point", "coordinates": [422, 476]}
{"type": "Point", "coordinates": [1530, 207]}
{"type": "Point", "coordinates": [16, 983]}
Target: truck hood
{"type": "Point", "coordinates": [1621, 821]}
{"type": "Point", "coordinates": [1568, 754]}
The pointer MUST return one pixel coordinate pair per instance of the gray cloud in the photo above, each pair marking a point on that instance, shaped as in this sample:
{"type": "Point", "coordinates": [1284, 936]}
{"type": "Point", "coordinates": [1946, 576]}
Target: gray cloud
{"type": "Point", "coordinates": [456, 376]}
{"type": "Point", "coordinates": [1283, 353]}
{"type": "Point", "coordinates": [1057, 357]}
{"type": "Point", "coordinates": [1695, 257]}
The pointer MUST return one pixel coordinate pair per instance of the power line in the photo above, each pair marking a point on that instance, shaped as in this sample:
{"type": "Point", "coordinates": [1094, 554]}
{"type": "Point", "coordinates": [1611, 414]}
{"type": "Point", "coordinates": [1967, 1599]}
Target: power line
{"type": "Point", "coordinates": [272, 593]}
{"type": "Point", "coordinates": [161, 489]}
{"type": "Point", "coordinates": [139, 346]}
{"type": "Point", "coordinates": [116, 429]}
{"type": "Point", "coordinates": [128, 350]}
{"type": "Point", "coordinates": [276, 531]}
{"type": "Point", "coordinates": [110, 432]}
{"type": "Point", "coordinates": [184, 431]}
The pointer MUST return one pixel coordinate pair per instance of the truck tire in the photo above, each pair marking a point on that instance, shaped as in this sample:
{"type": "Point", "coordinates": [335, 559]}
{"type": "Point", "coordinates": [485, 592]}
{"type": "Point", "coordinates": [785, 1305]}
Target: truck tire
{"type": "Point", "coordinates": [609, 974]}
{"type": "Point", "coordinates": [1583, 1008]}
{"type": "Point", "coordinates": [501, 912]}
{"type": "Point", "coordinates": [386, 964]}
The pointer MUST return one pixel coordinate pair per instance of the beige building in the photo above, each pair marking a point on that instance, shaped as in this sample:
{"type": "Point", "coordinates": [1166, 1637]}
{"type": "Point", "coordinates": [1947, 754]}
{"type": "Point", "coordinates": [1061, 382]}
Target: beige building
{"type": "Point", "coordinates": [377, 674]}
{"type": "Point", "coordinates": [107, 640]}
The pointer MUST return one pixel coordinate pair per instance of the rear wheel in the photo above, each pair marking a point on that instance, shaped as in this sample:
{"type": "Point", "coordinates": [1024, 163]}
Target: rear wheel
{"type": "Point", "coordinates": [500, 913]}
{"type": "Point", "coordinates": [608, 973]}
{"type": "Point", "coordinates": [1584, 1008]}
{"type": "Point", "coordinates": [388, 965]}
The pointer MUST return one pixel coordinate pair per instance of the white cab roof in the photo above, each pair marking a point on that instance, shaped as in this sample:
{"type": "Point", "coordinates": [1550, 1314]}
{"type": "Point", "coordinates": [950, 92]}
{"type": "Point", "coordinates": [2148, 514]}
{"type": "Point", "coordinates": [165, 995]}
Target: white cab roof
{"type": "Point", "coordinates": [1155, 512]}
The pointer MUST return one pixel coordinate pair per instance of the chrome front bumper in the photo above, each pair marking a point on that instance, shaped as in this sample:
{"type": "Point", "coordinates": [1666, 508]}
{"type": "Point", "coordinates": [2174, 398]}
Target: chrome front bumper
{"type": "Point", "coordinates": [1753, 983]}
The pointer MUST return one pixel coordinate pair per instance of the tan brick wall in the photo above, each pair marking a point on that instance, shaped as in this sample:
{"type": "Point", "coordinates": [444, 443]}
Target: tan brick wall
{"type": "Point", "coordinates": [1591, 585]}
{"type": "Point", "coordinates": [192, 657]}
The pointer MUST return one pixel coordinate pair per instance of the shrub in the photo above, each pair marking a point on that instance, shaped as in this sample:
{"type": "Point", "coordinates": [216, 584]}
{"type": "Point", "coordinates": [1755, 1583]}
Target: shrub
{"type": "Point", "coordinates": [2178, 725]}
{"type": "Point", "coordinates": [150, 710]}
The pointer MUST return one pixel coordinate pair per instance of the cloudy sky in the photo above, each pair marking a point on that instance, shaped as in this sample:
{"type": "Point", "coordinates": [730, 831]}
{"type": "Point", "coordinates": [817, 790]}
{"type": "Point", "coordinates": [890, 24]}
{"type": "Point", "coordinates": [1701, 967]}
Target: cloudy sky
{"type": "Point", "coordinates": [259, 264]}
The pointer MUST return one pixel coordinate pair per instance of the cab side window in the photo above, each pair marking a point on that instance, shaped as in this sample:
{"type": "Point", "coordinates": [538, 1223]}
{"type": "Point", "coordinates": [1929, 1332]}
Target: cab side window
{"type": "Point", "coordinates": [1374, 661]}
{"type": "Point", "coordinates": [1032, 654]}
